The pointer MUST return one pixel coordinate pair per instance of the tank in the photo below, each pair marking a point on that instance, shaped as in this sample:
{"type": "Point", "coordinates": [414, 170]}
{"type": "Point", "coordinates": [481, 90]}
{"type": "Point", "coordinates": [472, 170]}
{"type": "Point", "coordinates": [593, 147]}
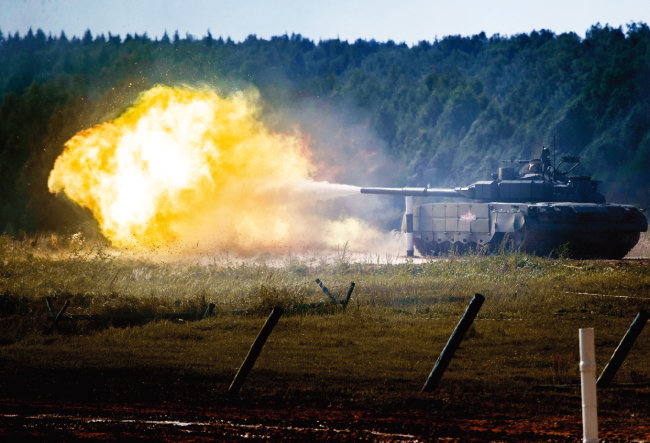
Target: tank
{"type": "Point", "coordinates": [530, 205]}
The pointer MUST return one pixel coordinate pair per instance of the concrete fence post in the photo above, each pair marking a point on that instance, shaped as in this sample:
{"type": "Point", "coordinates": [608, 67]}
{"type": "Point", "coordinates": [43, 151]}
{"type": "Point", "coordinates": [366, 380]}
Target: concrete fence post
{"type": "Point", "coordinates": [255, 351]}
{"type": "Point", "coordinates": [588, 386]}
{"type": "Point", "coordinates": [208, 311]}
{"type": "Point", "coordinates": [326, 291]}
{"type": "Point", "coordinates": [622, 350]}
{"type": "Point", "coordinates": [347, 296]}
{"type": "Point", "coordinates": [59, 315]}
{"type": "Point", "coordinates": [454, 341]}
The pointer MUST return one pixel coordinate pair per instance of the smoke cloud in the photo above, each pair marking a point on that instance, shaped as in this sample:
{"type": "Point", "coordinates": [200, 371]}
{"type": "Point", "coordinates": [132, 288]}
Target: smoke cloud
{"type": "Point", "coordinates": [186, 166]}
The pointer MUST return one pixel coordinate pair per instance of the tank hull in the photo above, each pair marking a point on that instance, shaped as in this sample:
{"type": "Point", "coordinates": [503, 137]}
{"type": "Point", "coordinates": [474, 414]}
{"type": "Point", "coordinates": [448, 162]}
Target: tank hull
{"type": "Point", "coordinates": [578, 230]}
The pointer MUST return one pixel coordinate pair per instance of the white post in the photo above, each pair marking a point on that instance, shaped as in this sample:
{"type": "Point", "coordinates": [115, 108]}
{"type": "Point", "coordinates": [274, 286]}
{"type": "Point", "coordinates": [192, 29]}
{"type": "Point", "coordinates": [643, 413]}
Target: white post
{"type": "Point", "coordinates": [588, 386]}
{"type": "Point", "coordinates": [409, 225]}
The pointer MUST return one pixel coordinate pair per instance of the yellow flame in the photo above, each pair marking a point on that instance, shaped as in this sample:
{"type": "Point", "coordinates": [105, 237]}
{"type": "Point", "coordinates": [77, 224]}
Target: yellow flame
{"type": "Point", "coordinates": [186, 165]}
{"type": "Point", "coordinates": [180, 159]}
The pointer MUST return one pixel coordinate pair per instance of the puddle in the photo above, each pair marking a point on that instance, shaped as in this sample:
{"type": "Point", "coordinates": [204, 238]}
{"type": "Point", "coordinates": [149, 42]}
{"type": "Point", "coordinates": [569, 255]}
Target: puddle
{"type": "Point", "coordinates": [216, 427]}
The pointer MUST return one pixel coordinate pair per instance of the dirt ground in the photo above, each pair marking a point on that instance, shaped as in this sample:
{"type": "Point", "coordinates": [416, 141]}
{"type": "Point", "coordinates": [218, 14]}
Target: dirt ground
{"type": "Point", "coordinates": [46, 397]}
{"type": "Point", "coordinates": [63, 421]}
{"type": "Point", "coordinates": [67, 421]}
{"type": "Point", "coordinates": [69, 406]}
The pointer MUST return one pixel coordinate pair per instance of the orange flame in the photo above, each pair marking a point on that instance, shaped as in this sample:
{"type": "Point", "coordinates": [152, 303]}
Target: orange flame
{"type": "Point", "coordinates": [185, 164]}
{"type": "Point", "coordinates": [177, 156]}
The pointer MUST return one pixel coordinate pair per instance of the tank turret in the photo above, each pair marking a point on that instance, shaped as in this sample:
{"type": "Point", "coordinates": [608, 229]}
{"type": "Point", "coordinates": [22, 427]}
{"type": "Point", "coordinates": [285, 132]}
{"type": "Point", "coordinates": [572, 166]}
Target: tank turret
{"type": "Point", "coordinates": [539, 209]}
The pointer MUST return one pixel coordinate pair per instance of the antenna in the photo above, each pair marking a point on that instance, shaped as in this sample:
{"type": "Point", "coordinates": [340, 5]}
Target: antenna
{"type": "Point", "coordinates": [554, 151]}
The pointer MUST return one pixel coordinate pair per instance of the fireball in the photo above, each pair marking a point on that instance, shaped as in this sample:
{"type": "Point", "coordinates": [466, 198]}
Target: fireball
{"type": "Point", "coordinates": [187, 165]}
{"type": "Point", "coordinates": [180, 160]}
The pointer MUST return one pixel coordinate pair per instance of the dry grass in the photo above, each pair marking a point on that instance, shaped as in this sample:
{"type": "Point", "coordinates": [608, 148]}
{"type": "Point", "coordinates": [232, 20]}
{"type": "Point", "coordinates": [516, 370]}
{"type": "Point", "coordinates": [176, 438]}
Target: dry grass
{"type": "Point", "coordinates": [398, 320]}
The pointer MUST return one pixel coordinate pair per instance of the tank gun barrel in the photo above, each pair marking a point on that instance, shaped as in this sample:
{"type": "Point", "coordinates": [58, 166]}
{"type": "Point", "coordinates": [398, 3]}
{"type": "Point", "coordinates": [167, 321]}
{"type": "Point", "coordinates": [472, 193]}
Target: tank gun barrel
{"type": "Point", "coordinates": [414, 192]}
{"type": "Point", "coordinates": [520, 161]}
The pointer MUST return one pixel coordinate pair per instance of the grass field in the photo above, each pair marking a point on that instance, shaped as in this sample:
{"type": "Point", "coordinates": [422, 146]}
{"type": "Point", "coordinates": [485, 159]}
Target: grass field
{"type": "Point", "coordinates": [376, 354]}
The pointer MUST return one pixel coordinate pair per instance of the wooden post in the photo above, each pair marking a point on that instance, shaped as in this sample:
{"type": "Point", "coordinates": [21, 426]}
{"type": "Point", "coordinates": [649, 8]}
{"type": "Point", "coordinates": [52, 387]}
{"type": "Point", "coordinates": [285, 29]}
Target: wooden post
{"type": "Point", "coordinates": [622, 350]}
{"type": "Point", "coordinates": [255, 351]}
{"type": "Point", "coordinates": [347, 297]}
{"type": "Point", "coordinates": [59, 315]}
{"type": "Point", "coordinates": [454, 341]}
{"type": "Point", "coordinates": [326, 291]}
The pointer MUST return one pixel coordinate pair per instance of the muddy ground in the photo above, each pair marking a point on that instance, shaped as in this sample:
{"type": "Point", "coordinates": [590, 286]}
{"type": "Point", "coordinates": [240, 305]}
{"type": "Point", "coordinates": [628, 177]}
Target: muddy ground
{"type": "Point", "coordinates": [45, 405]}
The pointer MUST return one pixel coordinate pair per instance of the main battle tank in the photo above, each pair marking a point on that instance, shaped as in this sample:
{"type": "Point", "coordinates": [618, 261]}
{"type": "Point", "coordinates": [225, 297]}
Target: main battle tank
{"type": "Point", "coordinates": [539, 209]}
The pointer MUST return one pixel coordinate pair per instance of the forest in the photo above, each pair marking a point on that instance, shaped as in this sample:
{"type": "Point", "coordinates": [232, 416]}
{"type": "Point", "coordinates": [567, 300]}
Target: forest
{"type": "Point", "coordinates": [446, 112]}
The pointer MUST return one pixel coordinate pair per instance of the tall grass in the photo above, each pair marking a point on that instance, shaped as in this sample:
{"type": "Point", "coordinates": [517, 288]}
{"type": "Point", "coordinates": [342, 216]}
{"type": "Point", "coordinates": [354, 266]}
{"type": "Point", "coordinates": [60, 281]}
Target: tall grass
{"type": "Point", "coordinates": [99, 281]}
{"type": "Point", "coordinates": [398, 319]}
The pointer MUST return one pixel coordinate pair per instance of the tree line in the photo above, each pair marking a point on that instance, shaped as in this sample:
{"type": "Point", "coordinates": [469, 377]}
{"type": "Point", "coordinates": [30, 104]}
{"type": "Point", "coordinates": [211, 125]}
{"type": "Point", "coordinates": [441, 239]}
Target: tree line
{"type": "Point", "coordinates": [448, 110]}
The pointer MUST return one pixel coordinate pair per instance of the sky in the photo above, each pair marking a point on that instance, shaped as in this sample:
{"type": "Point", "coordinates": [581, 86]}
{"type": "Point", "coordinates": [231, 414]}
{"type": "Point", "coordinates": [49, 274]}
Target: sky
{"type": "Point", "coordinates": [408, 21]}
